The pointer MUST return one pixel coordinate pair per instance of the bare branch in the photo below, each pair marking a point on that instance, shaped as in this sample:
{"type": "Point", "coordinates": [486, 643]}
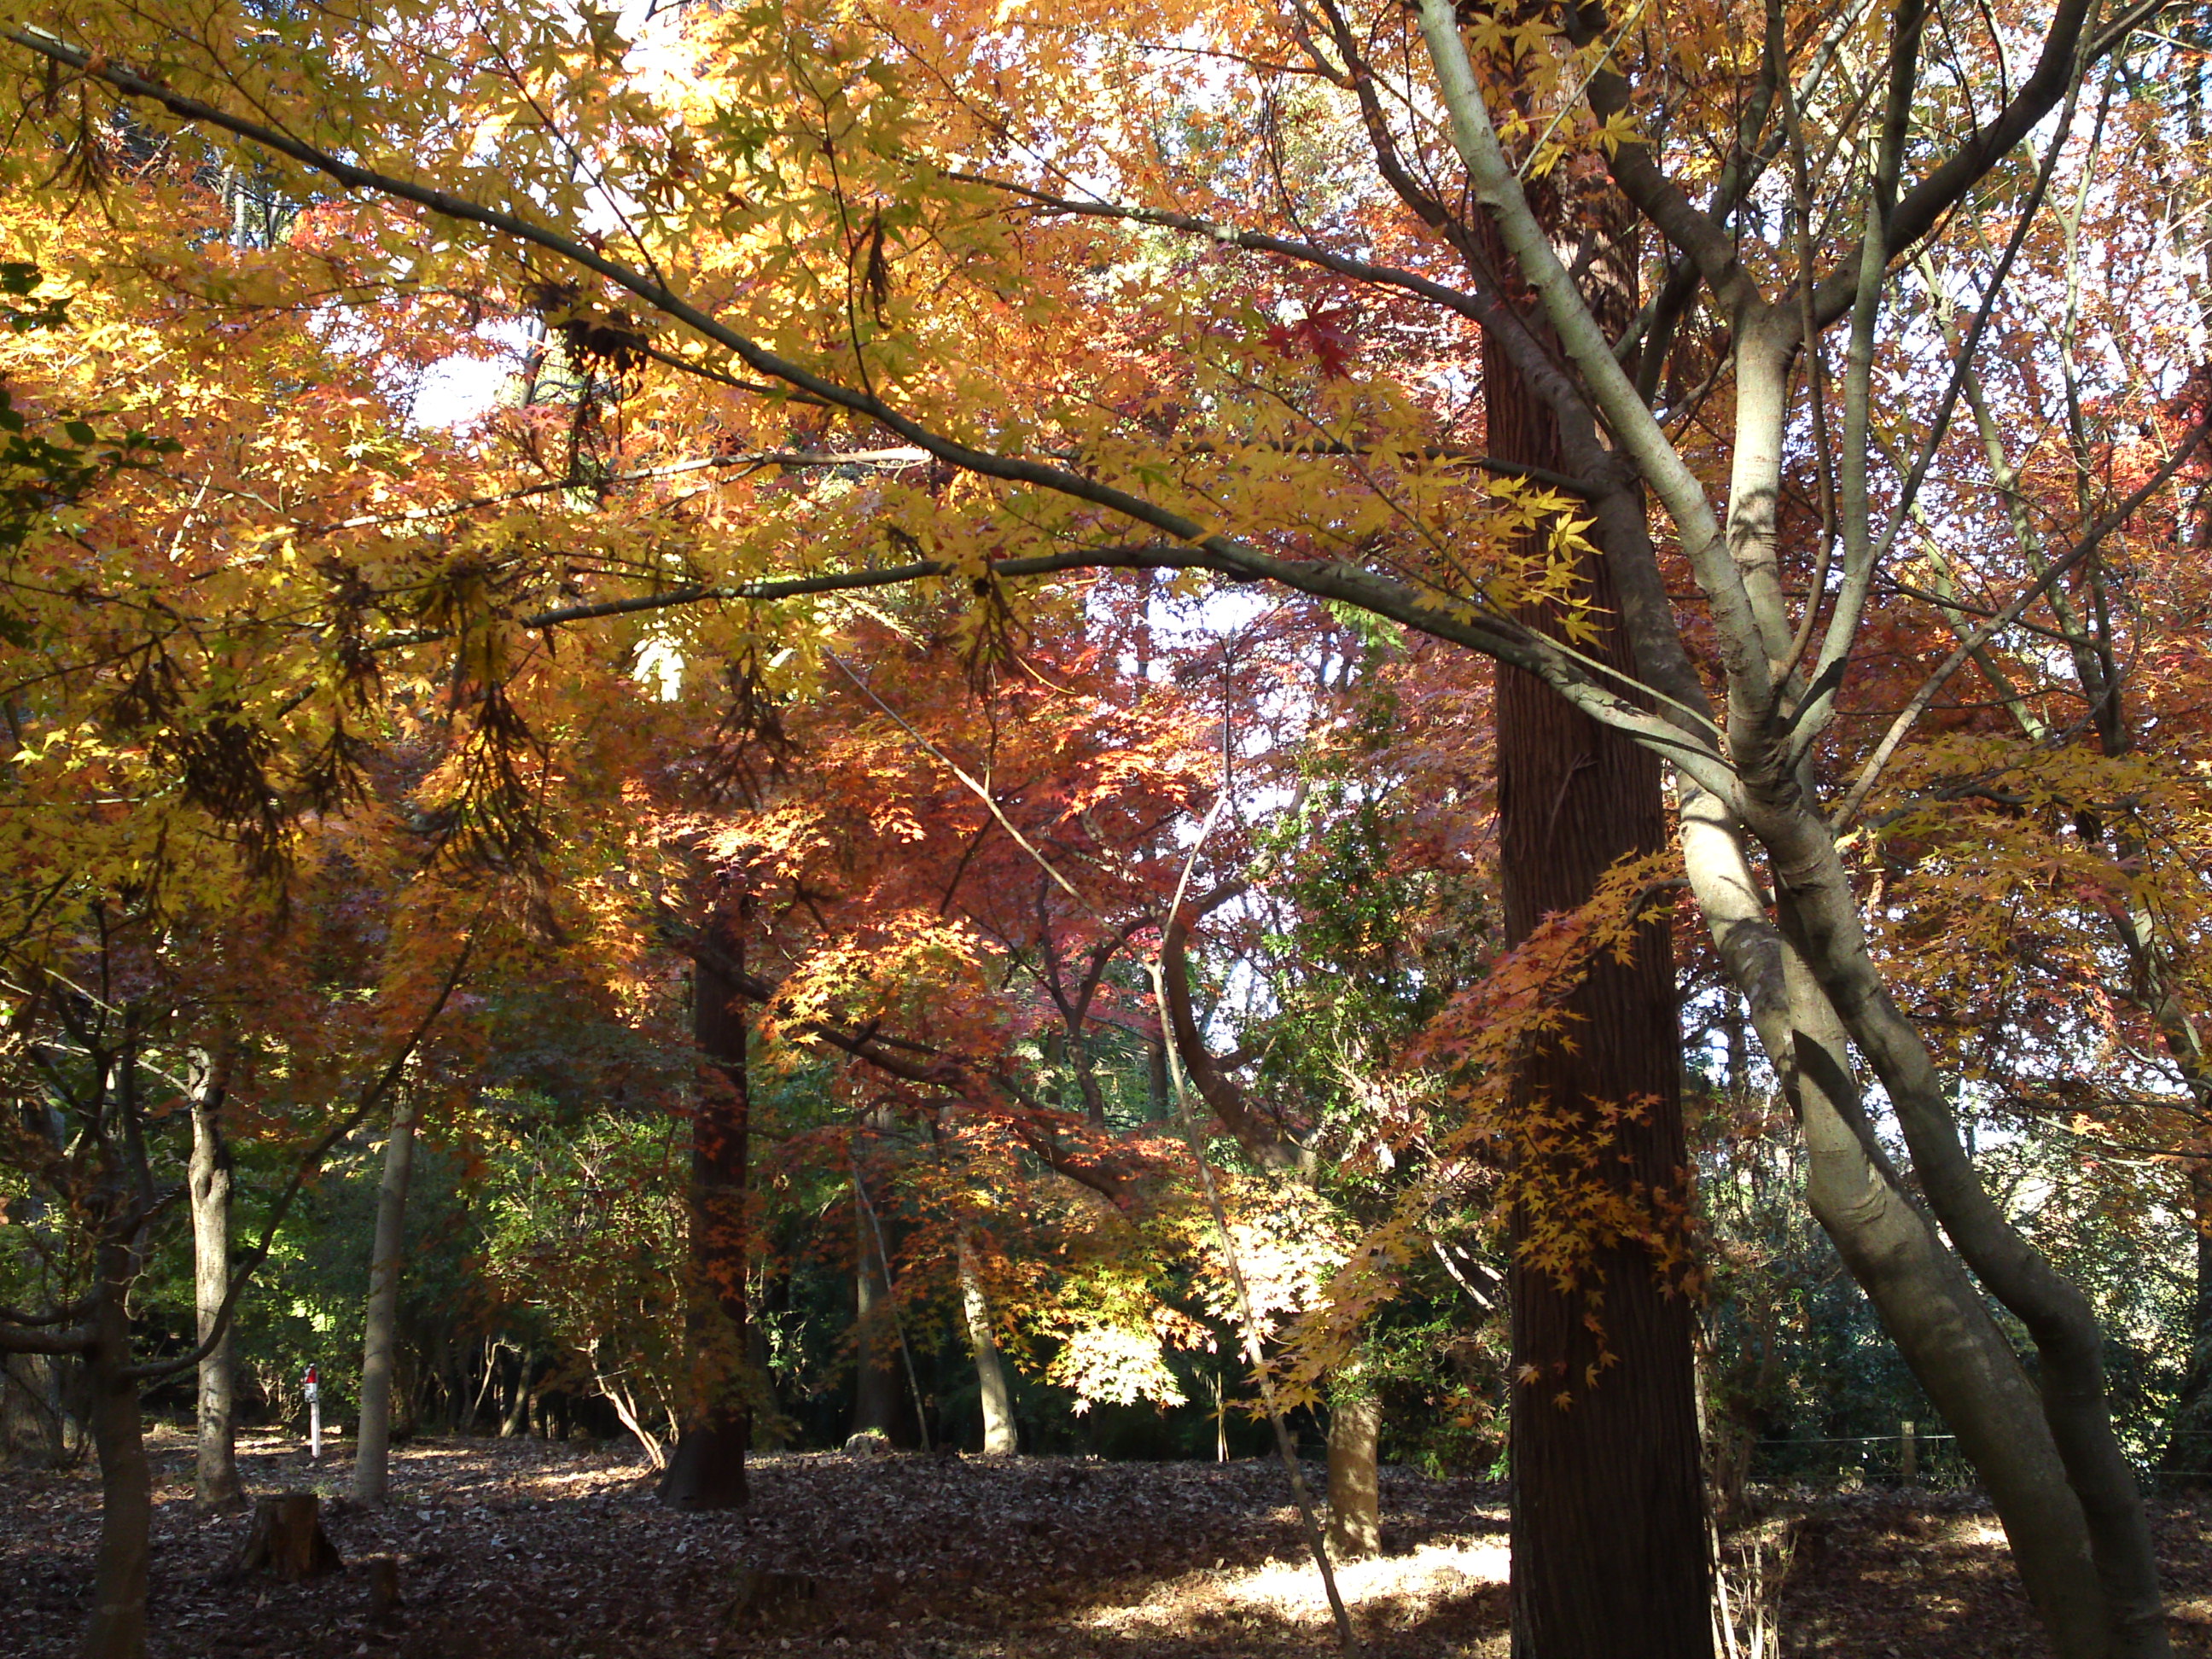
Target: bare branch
{"type": "Point", "coordinates": [311, 1161]}
{"type": "Point", "coordinates": [2091, 539]}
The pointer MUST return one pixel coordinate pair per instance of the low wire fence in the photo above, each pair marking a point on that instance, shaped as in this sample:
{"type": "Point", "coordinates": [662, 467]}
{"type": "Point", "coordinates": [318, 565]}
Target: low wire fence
{"type": "Point", "coordinates": [2178, 1460]}
{"type": "Point", "coordinates": [1912, 1457]}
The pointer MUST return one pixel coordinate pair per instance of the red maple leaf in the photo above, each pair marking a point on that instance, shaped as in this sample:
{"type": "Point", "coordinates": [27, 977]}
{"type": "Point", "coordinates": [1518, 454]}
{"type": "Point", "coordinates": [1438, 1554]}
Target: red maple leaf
{"type": "Point", "coordinates": [1328, 334]}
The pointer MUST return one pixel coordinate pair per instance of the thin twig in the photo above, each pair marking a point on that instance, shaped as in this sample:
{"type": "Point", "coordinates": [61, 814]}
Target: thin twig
{"type": "Point", "coordinates": [975, 786]}
{"type": "Point", "coordinates": [2092, 538]}
{"type": "Point", "coordinates": [1316, 1538]}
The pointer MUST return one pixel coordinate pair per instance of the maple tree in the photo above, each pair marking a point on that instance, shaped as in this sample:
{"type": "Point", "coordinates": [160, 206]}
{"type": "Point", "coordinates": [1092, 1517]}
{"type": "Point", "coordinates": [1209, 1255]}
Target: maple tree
{"type": "Point", "coordinates": [222, 919]}
{"type": "Point", "coordinates": [829, 266]}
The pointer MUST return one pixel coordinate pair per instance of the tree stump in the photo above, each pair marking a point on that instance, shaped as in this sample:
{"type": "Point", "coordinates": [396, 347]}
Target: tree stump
{"type": "Point", "coordinates": [288, 1539]}
{"type": "Point", "coordinates": [383, 1587]}
{"type": "Point", "coordinates": [869, 1442]}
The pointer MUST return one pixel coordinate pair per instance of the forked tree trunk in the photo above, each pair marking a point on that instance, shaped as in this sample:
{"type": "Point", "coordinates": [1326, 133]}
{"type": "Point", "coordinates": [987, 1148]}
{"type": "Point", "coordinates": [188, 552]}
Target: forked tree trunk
{"type": "Point", "coordinates": [373, 1443]}
{"type": "Point", "coordinates": [2101, 1516]}
{"type": "Point", "coordinates": [999, 1436]}
{"type": "Point", "coordinates": [619, 1395]}
{"type": "Point", "coordinates": [1355, 1489]}
{"type": "Point", "coordinates": [1931, 1309]}
{"type": "Point", "coordinates": [1608, 1528]}
{"type": "Point", "coordinates": [706, 1470]}
{"type": "Point", "coordinates": [215, 1484]}
{"type": "Point", "coordinates": [1820, 914]}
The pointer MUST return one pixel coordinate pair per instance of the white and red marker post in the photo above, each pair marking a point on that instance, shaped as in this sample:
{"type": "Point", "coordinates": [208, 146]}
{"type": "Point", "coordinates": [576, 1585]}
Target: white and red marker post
{"type": "Point", "coordinates": [314, 1416]}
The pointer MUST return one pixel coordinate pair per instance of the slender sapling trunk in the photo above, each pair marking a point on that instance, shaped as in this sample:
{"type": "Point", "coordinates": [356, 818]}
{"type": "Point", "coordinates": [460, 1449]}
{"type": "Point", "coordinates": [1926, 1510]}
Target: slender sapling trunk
{"type": "Point", "coordinates": [373, 1444]}
{"type": "Point", "coordinates": [217, 1485]}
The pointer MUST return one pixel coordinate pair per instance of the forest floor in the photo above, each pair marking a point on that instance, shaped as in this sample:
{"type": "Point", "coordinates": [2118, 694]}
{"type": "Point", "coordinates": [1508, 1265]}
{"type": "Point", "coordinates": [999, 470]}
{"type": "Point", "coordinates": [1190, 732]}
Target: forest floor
{"type": "Point", "coordinates": [523, 1549]}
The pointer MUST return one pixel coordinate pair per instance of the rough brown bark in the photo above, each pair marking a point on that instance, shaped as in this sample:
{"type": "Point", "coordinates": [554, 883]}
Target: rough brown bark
{"type": "Point", "coordinates": [1816, 902]}
{"type": "Point", "coordinates": [706, 1470]}
{"type": "Point", "coordinates": [117, 1628]}
{"type": "Point", "coordinates": [875, 1383]}
{"type": "Point", "coordinates": [1355, 1491]}
{"type": "Point", "coordinates": [1608, 1513]}
{"type": "Point", "coordinates": [288, 1539]}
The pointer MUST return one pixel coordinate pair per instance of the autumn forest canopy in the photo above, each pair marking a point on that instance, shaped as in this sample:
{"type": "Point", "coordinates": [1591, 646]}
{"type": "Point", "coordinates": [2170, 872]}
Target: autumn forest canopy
{"type": "Point", "coordinates": [1471, 741]}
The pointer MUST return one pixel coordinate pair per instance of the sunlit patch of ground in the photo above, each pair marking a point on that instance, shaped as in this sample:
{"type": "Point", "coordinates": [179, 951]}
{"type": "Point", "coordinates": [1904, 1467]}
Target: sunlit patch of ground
{"type": "Point", "coordinates": [1425, 1574]}
{"type": "Point", "coordinates": [1421, 1586]}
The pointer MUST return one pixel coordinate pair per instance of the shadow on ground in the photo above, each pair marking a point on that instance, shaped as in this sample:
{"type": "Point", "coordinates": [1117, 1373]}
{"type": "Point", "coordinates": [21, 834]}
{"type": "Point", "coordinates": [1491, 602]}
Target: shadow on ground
{"type": "Point", "coordinates": [525, 1550]}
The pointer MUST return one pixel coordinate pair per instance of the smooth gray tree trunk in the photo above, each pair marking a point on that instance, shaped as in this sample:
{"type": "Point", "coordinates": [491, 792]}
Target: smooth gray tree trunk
{"type": "Point", "coordinates": [1931, 1309]}
{"type": "Point", "coordinates": [1820, 913]}
{"type": "Point", "coordinates": [373, 1446]}
{"type": "Point", "coordinates": [217, 1485]}
{"type": "Point", "coordinates": [1759, 776]}
{"type": "Point", "coordinates": [999, 1436]}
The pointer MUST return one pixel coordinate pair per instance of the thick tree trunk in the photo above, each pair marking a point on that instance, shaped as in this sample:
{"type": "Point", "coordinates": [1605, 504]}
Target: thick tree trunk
{"type": "Point", "coordinates": [514, 1373]}
{"type": "Point", "coordinates": [706, 1470]}
{"type": "Point", "coordinates": [998, 1400]}
{"type": "Point", "coordinates": [875, 1383]}
{"type": "Point", "coordinates": [1817, 904]}
{"type": "Point", "coordinates": [1608, 1524]}
{"type": "Point", "coordinates": [373, 1443]}
{"type": "Point", "coordinates": [117, 1628]}
{"type": "Point", "coordinates": [1355, 1487]}
{"type": "Point", "coordinates": [216, 1483]}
